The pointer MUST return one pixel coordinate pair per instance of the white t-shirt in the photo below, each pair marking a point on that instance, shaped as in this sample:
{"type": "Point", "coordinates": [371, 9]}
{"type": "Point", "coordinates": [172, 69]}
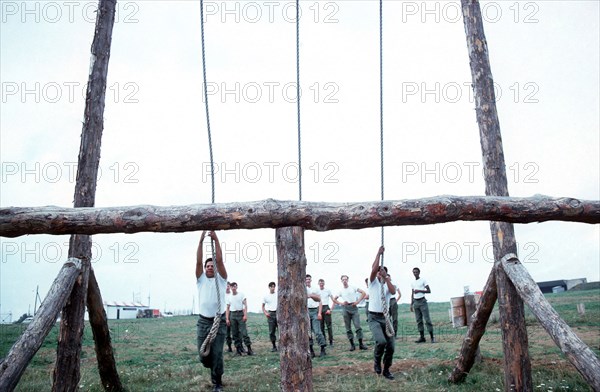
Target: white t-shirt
{"type": "Point", "coordinates": [419, 284]}
{"type": "Point", "coordinates": [325, 294]}
{"type": "Point", "coordinates": [270, 302]}
{"type": "Point", "coordinates": [375, 296]}
{"type": "Point", "coordinates": [349, 294]}
{"type": "Point", "coordinates": [236, 302]}
{"type": "Point", "coordinates": [311, 303]}
{"type": "Point", "coordinates": [207, 294]}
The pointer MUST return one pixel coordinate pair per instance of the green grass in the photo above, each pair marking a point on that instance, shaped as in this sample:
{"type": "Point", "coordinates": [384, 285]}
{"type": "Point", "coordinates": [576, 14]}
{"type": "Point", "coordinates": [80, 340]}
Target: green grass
{"type": "Point", "coordinates": [160, 355]}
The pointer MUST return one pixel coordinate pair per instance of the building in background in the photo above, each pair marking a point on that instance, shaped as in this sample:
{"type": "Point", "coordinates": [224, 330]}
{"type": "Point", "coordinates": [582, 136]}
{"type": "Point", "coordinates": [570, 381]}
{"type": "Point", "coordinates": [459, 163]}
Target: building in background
{"type": "Point", "coordinates": [557, 286]}
{"type": "Point", "coordinates": [123, 310]}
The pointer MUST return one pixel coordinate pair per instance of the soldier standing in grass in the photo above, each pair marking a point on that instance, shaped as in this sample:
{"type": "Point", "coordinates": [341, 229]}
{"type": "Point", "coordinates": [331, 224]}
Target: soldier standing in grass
{"type": "Point", "coordinates": [211, 279]}
{"type": "Point", "coordinates": [314, 305]}
{"type": "Point", "coordinates": [228, 336]}
{"type": "Point", "coordinates": [384, 341]}
{"type": "Point", "coordinates": [269, 308]}
{"type": "Point", "coordinates": [418, 304]}
{"type": "Point", "coordinates": [236, 316]}
{"type": "Point", "coordinates": [325, 310]}
{"type": "Point", "coordinates": [350, 297]}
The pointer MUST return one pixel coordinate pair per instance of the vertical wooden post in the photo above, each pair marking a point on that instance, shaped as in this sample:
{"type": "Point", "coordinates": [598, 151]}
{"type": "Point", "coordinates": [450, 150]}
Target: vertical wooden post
{"type": "Point", "coordinates": [67, 369]}
{"type": "Point", "coordinates": [292, 314]}
{"type": "Point", "coordinates": [517, 365]}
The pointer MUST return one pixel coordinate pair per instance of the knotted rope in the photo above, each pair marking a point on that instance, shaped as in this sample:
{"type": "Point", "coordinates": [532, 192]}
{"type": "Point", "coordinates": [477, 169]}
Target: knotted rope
{"type": "Point", "coordinates": [214, 329]}
{"type": "Point", "coordinates": [389, 328]}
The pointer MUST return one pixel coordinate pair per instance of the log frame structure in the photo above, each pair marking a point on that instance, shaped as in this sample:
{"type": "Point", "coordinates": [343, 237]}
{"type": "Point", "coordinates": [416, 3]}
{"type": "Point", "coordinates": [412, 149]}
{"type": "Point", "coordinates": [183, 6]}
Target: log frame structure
{"type": "Point", "coordinates": [517, 365]}
{"type": "Point", "coordinates": [17, 221]}
{"type": "Point", "coordinates": [508, 282]}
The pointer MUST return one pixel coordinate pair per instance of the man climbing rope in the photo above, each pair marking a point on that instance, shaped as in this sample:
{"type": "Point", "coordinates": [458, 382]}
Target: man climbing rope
{"type": "Point", "coordinates": [380, 291]}
{"type": "Point", "coordinates": [211, 280]}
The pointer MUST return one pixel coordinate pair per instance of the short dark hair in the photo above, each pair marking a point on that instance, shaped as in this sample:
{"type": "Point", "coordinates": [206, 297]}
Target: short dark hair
{"type": "Point", "coordinates": [385, 268]}
{"type": "Point", "coordinates": [271, 284]}
{"type": "Point", "coordinates": [308, 276]}
{"type": "Point", "coordinates": [233, 284]}
{"type": "Point", "coordinates": [417, 268]}
{"type": "Point", "coordinates": [207, 260]}
{"type": "Point", "coordinates": [342, 277]}
{"type": "Point", "coordinates": [321, 280]}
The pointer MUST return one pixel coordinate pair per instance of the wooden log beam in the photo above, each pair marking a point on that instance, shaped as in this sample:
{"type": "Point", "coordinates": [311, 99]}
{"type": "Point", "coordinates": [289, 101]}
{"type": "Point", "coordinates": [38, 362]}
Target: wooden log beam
{"type": "Point", "coordinates": [470, 345]}
{"type": "Point", "coordinates": [578, 353]}
{"type": "Point", "coordinates": [17, 359]}
{"type": "Point", "coordinates": [67, 369]}
{"type": "Point", "coordinates": [17, 221]}
{"type": "Point", "coordinates": [517, 365]}
{"type": "Point", "coordinates": [292, 314]}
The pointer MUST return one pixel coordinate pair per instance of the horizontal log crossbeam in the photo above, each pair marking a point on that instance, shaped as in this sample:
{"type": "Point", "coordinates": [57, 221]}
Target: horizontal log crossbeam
{"type": "Point", "coordinates": [319, 216]}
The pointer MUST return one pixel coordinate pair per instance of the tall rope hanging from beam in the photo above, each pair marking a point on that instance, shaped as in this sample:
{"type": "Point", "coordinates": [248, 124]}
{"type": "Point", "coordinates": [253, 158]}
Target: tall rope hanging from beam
{"type": "Point", "coordinates": [205, 348]}
{"type": "Point", "coordinates": [385, 305]}
{"type": "Point", "coordinates": [298, 99]}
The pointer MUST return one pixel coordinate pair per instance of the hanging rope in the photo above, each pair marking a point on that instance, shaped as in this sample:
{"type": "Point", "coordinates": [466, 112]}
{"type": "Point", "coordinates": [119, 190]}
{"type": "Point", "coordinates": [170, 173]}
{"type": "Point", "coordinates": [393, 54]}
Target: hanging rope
{"type": "Point", "coordinates": [205, 348]}
{"type": "Point", "coordinates": [389, 328]}
{"type": "Point", "coordinates": [385, 305]}
{"type": "Point", "coordinates": [381, 106]}
{"type": "Point", "coordinates": [298, 98]}
{"type": "Point", "coordinates": [214, 329]}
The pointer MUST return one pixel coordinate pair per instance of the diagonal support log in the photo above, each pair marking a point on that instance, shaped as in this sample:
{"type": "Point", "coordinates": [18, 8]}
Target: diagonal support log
{"type": "Point", "coordinates": [479, 320]}
{"type": "Point", "coordinates": [17, 221]}
{"type": "Point", "coordinates": [107, 366]}
{"type": "Point", "coordinates": [15, 363]}
{"type": "Point", "coordinates": [578, 353]}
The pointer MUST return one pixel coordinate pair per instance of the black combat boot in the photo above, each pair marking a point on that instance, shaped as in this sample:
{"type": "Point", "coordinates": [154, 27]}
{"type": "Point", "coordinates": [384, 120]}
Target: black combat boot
{"type": "Point", "coordinates": [323, 353]}
{"type": "Point", "coordinates": [377, 365]}
{"type": "Point", "coordinates": [250, 352]}
{"type": "Point", "coordinates": [217, 384]}
{"type": "Point", "coordinates": [386, 373]}
{"type": "Point", "coordinates": [352, 346]}
{"type": "Point", "coordinates": [361, 345]}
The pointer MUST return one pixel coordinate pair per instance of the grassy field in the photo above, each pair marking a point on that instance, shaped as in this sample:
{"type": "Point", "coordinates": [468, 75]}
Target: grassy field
{"type": "Point", "coordinates": [160, 355]}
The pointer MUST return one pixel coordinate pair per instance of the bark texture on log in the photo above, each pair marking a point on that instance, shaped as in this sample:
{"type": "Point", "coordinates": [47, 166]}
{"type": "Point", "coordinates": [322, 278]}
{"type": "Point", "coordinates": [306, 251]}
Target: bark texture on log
{"type": "Point", "coordinates": [17, 359]}
{"type": "Point", "coordinates": [17, 221]}
{"type": "Point", "coordinates": [578, 353]}
{"type": "Point", "coordinates": [292, 314]}
{"type": "Point", "coordinates": [67, 370]}
{"type": "Point", "coordinates": [470, 345]}
{"type": "Point", "coordinates": [66, 373]}
{"type": "Point", "coordinates": [517, 365]}
{"type": "Point", "coordinates": [107, 366]}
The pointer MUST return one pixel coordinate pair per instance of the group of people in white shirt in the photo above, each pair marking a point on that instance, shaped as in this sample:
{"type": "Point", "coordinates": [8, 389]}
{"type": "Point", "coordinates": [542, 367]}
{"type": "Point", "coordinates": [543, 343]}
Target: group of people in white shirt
{"type": "Point", "coordinates": [221, 298]}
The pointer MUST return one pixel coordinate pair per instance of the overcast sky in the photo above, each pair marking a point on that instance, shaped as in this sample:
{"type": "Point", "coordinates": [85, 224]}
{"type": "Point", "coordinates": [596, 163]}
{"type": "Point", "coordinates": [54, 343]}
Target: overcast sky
{"type": "Point", "coordinates": [544, 59]}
